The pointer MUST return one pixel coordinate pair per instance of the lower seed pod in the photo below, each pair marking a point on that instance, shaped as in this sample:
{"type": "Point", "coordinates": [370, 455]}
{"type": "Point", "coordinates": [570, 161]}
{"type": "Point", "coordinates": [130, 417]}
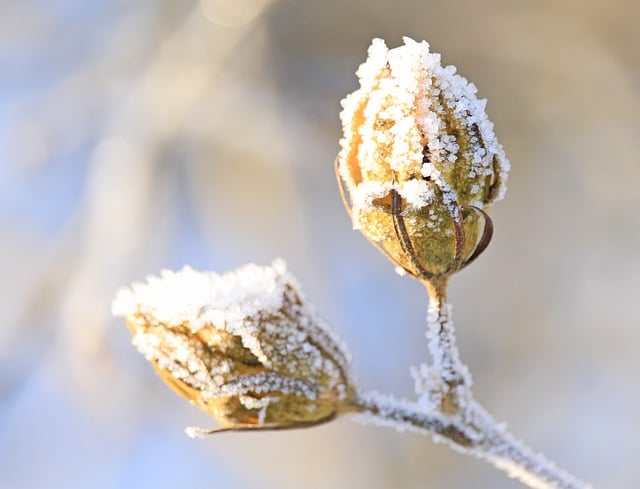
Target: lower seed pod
{"type": "Point", "coordinates": [244, 346]}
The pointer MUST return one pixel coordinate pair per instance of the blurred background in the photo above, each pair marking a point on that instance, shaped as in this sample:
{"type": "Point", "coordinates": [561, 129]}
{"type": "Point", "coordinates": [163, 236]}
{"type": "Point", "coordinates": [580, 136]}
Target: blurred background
{"type": "Point", "coordinates": [136, 136]}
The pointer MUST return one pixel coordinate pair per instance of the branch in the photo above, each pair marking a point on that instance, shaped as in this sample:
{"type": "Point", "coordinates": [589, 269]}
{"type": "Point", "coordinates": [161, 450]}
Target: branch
{"type": "Point", "coordinates": [476, 433]}
{"type": "Point", "coordinates": [447, 410]}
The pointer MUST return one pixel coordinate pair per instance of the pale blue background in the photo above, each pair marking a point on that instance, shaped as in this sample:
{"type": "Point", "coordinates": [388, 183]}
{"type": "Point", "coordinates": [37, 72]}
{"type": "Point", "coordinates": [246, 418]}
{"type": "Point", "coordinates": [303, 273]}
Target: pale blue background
{"type": "Point", "coordinates": [140, 135]}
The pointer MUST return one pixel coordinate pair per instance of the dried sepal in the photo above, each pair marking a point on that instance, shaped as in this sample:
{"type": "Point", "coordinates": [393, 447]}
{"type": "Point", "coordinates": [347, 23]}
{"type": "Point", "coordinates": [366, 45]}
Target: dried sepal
{"type": "Point", "coordinates": [419, 161]}
{"type": "Point", "coordinates": [245, 346]}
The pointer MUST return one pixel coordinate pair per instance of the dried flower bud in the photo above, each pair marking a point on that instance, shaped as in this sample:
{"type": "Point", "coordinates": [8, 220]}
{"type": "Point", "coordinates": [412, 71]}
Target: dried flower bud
{"type": "Point", "coordinates": [419, 160]}
{"type": "Point", "coordinates": [245, 346]}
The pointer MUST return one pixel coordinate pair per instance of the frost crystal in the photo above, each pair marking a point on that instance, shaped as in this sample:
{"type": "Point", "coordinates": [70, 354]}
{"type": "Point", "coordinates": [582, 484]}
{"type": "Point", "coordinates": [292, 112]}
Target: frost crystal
{"type": "Point", "coordinates": [244, 346]}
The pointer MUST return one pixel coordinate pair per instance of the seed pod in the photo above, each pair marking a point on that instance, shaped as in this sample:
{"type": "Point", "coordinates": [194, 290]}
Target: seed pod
{"type": "Point", "coordinates": [419, 160]}
{"type": "Point", "coordinates": [245, 347]}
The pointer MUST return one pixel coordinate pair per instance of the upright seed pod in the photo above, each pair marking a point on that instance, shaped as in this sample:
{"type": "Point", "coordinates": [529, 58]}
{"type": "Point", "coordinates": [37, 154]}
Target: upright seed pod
{"type": "Point", "coordinates": [419, 161]}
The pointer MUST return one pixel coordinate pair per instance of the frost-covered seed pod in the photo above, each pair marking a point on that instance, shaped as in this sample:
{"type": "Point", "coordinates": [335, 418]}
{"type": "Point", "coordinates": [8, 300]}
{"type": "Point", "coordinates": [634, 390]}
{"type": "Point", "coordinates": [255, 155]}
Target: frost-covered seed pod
{"type": "Point", "coordinates": [244, 346]}
{"type": "Point", "coordinates": [419, 159]}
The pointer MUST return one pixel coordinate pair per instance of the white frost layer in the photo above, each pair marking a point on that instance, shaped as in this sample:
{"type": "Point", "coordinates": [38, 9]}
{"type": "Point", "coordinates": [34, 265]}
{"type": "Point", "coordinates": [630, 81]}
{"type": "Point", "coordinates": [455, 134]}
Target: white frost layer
{"type": "Point", "coordinates": [201, 298]}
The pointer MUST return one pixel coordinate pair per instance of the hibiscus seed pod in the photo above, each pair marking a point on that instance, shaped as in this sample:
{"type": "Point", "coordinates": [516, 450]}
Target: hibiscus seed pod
{"type": "Point", "coordinates": [244, 346]}
{"type": "Point", "coordinates": [419, 162]}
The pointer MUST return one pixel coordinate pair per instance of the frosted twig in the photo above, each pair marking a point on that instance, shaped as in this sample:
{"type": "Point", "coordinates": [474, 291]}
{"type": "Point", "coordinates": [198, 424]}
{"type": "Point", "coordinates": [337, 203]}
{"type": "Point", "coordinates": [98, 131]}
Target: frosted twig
{"type": "Point", "coordinates": [442, 341]}
{"type": "Point", "coordinates": [512, 456]}
{"type": "Point", "coordinates": [475, 433]}
{"type": "Point", "coordinates": [457, 419]}
{"type": "Point", "coordinates": [405, 415]}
